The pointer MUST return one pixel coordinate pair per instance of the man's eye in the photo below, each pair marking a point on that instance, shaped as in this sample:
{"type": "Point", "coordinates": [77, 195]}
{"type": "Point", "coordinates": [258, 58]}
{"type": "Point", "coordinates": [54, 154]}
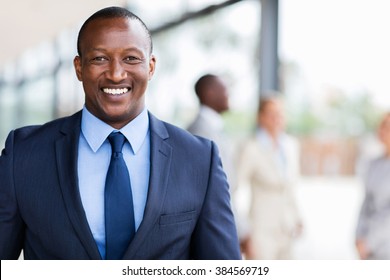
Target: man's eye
{"type": "Point", "coordinates": [132, 59]}
{"type": "Point", "coordinates": [99, 59]}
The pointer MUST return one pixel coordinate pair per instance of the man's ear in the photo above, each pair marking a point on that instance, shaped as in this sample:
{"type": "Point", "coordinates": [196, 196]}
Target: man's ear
{"type": "Point", "coordinates": [152, 66]}
{"type": "Point", "coordinates": [77, 67]}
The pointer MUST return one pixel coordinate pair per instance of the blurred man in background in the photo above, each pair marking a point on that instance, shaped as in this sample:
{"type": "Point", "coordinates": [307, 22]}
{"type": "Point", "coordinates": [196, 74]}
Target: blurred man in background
{"type": "Point", "coordinates": [213, 96]}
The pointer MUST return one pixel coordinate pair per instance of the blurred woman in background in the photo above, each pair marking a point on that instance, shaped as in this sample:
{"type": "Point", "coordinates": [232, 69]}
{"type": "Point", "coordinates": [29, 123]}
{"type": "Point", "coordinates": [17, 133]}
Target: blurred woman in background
{"type": "Point", "coordinates": [269, 164]}
{"type": "Point", "coordinates": [373, 228]}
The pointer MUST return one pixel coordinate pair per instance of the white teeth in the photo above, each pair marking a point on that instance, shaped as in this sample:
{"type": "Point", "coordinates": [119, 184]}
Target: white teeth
{"type": "Point", "coordinates": [115, 91]}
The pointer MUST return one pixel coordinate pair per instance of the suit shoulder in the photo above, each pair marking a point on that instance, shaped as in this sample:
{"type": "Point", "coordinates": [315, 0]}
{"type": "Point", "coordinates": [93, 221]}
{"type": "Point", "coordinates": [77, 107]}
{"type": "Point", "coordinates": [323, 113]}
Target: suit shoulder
{"type": "Point", "coordinates": [46, 130]}
{"type": "Point", "coordinates": [179, 137]}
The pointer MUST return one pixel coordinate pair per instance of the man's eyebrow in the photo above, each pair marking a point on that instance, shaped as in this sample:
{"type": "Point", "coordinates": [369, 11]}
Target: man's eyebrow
{"type": "Point", "coordinates": [126, 49]}
{"type": "Point", "coordinates": [133, 49]}
{"type": "Point", "coordinates": [96, 49]}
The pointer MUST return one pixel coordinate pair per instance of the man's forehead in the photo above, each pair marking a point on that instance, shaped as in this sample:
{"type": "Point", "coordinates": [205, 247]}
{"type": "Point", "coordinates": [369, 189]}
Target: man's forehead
{"type": "Point", "coordinates": [111, 26]}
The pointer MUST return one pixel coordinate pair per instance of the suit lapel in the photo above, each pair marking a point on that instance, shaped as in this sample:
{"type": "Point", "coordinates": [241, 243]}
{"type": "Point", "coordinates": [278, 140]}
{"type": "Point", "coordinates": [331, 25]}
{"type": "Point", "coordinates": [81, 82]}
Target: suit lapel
{"type": "Point", "coordinates": [160, 161]}
{"type": "Point", "coordinates": [67, 154]}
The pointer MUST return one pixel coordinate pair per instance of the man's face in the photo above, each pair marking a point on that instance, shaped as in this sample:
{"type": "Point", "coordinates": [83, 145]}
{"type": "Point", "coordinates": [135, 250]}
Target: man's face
{"type": "Point", "coordinates": [115, 66]}
{"type": "Point", "coordinates": [216, 95]}
{"type": "Point", "coordinates": [222, 95]}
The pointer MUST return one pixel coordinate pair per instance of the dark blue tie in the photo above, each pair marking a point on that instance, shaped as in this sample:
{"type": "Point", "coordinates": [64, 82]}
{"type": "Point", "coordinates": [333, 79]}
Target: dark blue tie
{"type": "Point", "coordinates": [118, 202]}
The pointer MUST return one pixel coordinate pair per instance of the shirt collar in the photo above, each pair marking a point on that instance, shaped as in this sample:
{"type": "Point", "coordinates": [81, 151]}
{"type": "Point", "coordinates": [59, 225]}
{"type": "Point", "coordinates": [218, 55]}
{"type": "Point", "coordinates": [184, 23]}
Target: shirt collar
{"type": "Point", "coordinates": [212, 116]}
{"type": "Point", "coordinates": [263, 136]}
{"type": "Point", "coordinates": [96, 131]}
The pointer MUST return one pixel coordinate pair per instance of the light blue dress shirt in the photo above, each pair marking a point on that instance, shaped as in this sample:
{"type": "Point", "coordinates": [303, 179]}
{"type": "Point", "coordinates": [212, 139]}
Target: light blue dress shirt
{"type": "Point", "coordinates": [93, 162]}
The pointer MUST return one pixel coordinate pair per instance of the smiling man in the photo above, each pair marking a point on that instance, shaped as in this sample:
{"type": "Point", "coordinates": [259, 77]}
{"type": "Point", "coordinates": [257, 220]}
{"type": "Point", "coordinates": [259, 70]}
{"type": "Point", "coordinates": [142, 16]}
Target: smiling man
{"type": "Point", "coordinates": [112, 181]}
{"type": "Point", "coordinates": [115, 64]}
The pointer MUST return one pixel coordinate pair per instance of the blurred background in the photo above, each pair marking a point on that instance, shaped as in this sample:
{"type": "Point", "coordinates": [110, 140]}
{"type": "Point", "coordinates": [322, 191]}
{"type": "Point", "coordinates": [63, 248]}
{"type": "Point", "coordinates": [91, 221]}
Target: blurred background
{"type": "Point", "coordinates": [328, 58]}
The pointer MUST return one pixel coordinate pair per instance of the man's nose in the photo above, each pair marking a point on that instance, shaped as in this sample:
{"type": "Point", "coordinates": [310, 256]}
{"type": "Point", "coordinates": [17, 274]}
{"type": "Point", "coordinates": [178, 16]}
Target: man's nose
{"type": "Point", "coordinates": [116, 72]}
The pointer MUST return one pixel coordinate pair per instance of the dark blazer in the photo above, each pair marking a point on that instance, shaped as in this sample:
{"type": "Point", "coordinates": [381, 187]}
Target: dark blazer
{"type": "Point", "coordinates": [187, 214]}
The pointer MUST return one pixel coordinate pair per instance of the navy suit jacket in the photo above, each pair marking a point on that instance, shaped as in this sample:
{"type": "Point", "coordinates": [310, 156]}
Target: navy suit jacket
{"type": "Point", "coordinates": [187, 214]}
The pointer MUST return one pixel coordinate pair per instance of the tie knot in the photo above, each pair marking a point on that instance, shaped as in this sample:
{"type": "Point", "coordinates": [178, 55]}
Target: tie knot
{"type": "Point", "coordinates": [117, 140]}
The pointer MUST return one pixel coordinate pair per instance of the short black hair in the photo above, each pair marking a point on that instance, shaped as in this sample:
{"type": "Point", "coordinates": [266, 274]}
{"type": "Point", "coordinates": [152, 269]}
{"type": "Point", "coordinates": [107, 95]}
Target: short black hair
{"type": "Point", "coordinates": [202, 81]}
{"type": "Point", "coordinates": [108, 13]}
